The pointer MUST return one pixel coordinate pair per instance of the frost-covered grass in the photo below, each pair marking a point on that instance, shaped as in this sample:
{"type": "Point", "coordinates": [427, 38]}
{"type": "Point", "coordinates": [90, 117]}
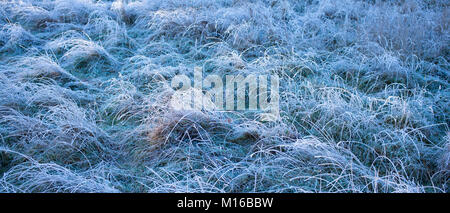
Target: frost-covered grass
{"type": "Point", "coordinates": [364, 96]}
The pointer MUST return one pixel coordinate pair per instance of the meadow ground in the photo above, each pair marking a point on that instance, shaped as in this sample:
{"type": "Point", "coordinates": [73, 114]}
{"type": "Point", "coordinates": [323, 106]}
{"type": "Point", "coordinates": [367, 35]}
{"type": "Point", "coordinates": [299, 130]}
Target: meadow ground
{"type": "Point", "coordinates": [364, 96]}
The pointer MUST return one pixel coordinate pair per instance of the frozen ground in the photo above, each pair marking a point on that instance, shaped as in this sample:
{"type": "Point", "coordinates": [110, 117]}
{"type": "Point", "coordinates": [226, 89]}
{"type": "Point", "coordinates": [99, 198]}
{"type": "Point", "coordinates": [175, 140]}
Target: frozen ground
{"type": "Point", "coordinates": [364, 96]}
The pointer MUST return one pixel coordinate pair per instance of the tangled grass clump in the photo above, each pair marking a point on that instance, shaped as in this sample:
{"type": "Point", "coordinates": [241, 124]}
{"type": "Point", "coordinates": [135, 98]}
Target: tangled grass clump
{"type": "Point", "coordinates": [85, 101]}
